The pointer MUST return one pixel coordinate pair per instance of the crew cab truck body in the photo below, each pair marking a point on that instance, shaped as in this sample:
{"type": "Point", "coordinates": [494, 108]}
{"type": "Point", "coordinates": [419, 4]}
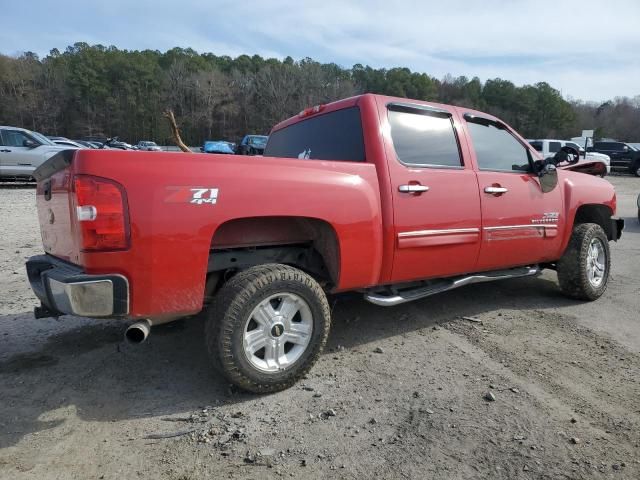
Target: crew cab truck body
{"type": "Point", "coordinates": [623, 155]}
{"type": "Point", "coordinates": [396, 198]}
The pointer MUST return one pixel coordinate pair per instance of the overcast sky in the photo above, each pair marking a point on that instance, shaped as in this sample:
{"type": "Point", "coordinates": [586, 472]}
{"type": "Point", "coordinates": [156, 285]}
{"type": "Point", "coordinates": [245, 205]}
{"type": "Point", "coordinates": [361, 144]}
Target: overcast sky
{"type": "Point", "coordinates": [588, 49]}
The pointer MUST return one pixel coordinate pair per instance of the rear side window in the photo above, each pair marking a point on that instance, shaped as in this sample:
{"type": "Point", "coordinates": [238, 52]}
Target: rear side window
{"type": "Point", "coordinates": [609, 146]}
{"type": "Point", "coordinates": [424, 137]}
{"type": "Point", "coordinates": [536, 145]}
{"type": "Point", "coordinates": [554, 147]}
{"type": "Point", "coordinates": [495, 147]}
{"type": "Point", "coordinates": [331, 136]}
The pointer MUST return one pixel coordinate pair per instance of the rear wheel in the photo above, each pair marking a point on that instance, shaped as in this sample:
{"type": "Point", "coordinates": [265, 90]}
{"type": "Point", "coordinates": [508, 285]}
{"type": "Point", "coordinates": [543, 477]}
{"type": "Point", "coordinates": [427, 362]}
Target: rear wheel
{"type": "Point", "coordinates": [267, 327]}
{"type": "Point", "coordinates": [583, 270]}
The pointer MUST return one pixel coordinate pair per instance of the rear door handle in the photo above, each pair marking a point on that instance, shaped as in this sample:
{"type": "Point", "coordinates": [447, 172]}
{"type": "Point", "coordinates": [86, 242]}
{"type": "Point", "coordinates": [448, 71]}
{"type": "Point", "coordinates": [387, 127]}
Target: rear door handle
{"type": "Point", "coordinates": [495, 190]}
{"type": "Point", "coordinates": [5, 150]}
{"type": "Point", "coordinates": [413, 188]}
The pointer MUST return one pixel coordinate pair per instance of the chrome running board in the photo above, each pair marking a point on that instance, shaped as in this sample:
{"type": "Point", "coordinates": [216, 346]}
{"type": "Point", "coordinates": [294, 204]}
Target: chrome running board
{"type": "Point", "coordinates": [403, 293]}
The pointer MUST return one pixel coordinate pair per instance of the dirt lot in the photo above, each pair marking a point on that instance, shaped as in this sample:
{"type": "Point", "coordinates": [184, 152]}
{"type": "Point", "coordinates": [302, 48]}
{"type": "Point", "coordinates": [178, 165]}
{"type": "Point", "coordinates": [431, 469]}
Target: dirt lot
{"type": "Point", "coordinates": [399, 394]}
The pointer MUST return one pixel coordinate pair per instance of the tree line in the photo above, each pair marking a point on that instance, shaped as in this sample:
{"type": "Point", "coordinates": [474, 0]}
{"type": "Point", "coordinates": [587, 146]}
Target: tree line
{"type": "Point", "coordinates": [93, 90]}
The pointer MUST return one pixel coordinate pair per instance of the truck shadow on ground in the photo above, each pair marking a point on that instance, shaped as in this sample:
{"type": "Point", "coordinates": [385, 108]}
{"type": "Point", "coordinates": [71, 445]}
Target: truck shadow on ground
{"type": "Point", "coordinates": [89, 372]}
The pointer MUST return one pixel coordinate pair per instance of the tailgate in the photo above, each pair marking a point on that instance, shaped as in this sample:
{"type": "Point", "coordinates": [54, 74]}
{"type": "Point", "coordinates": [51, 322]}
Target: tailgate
{"type": "Point", "coordinates": [54, 206]}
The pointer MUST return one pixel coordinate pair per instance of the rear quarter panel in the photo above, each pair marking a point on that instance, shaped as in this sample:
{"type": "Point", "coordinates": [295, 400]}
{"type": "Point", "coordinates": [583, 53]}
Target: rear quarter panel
{"type": "Point", "coordinates": [171, 238]}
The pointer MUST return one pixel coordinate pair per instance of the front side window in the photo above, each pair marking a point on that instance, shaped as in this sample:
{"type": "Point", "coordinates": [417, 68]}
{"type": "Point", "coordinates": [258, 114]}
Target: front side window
{"type": "Point", "coordinates": [496, 148]}
{"type": "Point", "coordinates": [424, 137]}
{"type": "Point", "coordinates": [14, 138]}
{"type": "Point", "coordinates": [335, 135]}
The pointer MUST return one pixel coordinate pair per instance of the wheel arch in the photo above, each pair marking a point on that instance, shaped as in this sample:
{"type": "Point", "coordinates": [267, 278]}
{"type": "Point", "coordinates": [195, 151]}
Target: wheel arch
{"type": "Point", "coordinates": [595, 213]}
{"type": "Point", "coordinates": [279, 236]}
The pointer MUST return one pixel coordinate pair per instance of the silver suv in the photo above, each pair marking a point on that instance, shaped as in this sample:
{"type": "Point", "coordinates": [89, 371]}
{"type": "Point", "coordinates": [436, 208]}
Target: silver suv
{"type": "Point", "coordinates": [22, 151]}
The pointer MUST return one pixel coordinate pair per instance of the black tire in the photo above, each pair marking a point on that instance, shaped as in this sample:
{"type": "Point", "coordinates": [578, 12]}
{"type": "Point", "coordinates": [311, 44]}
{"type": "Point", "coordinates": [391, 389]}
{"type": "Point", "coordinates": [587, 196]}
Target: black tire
{"type": "Point", "coordinates": [572, 268]}
{"type": "Point", "coordinates": [231, 312]}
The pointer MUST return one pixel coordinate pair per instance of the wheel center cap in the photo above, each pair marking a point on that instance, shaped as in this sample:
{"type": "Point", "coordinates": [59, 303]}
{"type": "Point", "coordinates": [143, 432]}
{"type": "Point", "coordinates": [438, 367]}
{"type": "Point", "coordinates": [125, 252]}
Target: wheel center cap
{"type": "Point", "coordinates": [277, 330]}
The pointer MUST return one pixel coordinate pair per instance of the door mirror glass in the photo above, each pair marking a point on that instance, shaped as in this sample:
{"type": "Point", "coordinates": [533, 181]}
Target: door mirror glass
{"type": "Point", "coordinates": [547, 173]}
{"type": "Point", "coordinates": [625, 149]}
{"type": "Point", "coordinates": [30, 143]}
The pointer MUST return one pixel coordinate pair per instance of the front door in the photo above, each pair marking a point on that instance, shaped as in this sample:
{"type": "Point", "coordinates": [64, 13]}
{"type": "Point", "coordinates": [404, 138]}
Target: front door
{"type": "Point", "coordinates": [520, 223]}
{"type": "Point", "coordinates": [435, 194]}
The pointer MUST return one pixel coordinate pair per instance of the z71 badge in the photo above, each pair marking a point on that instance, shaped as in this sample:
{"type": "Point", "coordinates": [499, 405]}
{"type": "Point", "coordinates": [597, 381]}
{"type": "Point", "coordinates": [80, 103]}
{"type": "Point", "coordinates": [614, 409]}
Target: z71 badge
{"type": "Point", "coordinates": [194, 195]}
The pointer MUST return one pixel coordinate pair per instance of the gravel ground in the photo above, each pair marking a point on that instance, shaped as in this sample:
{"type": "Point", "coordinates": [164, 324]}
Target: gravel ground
{"type": "Point", "coordinates": [538, 387]}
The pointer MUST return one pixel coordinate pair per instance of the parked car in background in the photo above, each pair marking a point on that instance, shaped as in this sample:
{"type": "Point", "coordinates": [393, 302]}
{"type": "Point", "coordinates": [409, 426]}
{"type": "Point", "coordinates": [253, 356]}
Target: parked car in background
{"type": "Point", "coordinates": [22, 151]}
{"type": "Point", "coordinates": [217, 146]}
{"type": "Point", "coordinates": [148, 146]}
{"type": "Point", "coordinates": [624, 156]}
{"type": "Point", "coordinates": [549, 147]}
{"type": "Point", "coordinates": [115, 143]}
{"type": "Point", "coordinates": [69, 143]}
{"type": "Point", "coordinates": [86, 144]}
{"type": "Point", "coordinates": [252, 145]}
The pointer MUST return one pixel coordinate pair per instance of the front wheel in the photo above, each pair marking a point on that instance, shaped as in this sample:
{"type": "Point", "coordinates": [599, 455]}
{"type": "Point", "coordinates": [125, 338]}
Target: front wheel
{"type": "Point", "coordinates": [583, 270]}
{"type": "Point", "coordinates": [267, 326]}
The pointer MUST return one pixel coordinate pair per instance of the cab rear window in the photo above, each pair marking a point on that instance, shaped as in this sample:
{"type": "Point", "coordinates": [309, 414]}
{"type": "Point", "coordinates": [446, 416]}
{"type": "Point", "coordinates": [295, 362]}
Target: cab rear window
{"type": "Point", "coordinates": [331, 136]}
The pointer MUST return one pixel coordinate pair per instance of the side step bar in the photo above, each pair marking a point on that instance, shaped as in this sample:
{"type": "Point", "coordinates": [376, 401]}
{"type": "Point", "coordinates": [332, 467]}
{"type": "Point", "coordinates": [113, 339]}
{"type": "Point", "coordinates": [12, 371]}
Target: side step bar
{"type": "Point", "coordinates": [396, 294]}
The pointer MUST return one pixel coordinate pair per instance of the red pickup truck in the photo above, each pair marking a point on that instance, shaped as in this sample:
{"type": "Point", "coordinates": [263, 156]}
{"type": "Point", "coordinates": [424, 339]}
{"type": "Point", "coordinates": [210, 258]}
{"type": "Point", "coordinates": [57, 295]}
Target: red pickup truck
{"type": "Point", "coordinates": [395, 198]}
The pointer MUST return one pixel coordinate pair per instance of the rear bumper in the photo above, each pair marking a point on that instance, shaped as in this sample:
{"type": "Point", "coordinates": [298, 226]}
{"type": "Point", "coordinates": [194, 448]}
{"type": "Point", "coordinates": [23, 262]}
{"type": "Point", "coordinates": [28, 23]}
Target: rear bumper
{"type": "Point", "coordinates": [64, 289]}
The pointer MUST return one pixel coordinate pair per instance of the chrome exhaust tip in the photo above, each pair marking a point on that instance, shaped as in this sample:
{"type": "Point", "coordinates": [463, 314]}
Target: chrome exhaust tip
{"type": "Point", "coordinates": [138, 332]}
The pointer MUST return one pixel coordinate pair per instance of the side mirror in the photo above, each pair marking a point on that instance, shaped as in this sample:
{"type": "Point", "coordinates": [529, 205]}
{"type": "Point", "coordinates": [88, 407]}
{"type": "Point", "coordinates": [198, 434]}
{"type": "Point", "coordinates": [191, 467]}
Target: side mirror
{"type": "Point", "coordinates": [30, 144]}
{"type": "Point", "coordinates": [547, 174]}
{"type": "Point", "coordinates": [625, 149]}
{"type": "Point", "coordinates": [202, 149]}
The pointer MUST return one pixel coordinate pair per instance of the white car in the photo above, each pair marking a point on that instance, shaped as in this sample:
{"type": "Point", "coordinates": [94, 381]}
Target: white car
{"type": "Point", "coordinates": [22, 151]}
{"type": "Point", "coordinates": [549, 147]}
{"type": "Point", "coordinates": [148, 146]}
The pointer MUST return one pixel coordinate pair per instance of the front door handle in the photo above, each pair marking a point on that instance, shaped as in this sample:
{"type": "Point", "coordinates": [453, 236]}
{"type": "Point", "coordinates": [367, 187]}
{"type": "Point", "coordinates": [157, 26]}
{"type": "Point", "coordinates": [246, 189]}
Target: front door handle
{"type": "Point", "coordinates": [4, 150]}
{"type": "Point", "coordinates": [413, 188]}
{"type": "Point", "coordinates": [495, 190]}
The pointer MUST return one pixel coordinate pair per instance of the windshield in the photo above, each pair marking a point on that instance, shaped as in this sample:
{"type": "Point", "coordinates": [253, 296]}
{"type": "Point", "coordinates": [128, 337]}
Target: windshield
{"type": "Point", "coordinates": [258, 141]}
{"type": "Point", "coordinates": [41, 138]}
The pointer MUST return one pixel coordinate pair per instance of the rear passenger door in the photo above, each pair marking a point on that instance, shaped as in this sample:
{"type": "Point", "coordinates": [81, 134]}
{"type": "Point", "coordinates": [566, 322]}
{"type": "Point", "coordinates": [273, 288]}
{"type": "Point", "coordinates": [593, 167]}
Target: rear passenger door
{"type": "Point", "coordinates": [436, 203]}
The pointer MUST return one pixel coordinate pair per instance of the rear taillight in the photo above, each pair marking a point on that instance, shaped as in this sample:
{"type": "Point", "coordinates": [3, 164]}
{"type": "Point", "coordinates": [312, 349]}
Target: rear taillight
{"type": "Point", "coordinates": [100, 209]}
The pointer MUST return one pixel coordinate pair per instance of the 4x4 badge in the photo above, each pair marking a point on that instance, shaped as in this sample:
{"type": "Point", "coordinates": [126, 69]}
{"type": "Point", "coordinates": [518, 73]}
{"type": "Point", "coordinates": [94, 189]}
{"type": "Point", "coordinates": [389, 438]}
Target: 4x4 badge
{"type": "Point", "coordinates": [193, 195]}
